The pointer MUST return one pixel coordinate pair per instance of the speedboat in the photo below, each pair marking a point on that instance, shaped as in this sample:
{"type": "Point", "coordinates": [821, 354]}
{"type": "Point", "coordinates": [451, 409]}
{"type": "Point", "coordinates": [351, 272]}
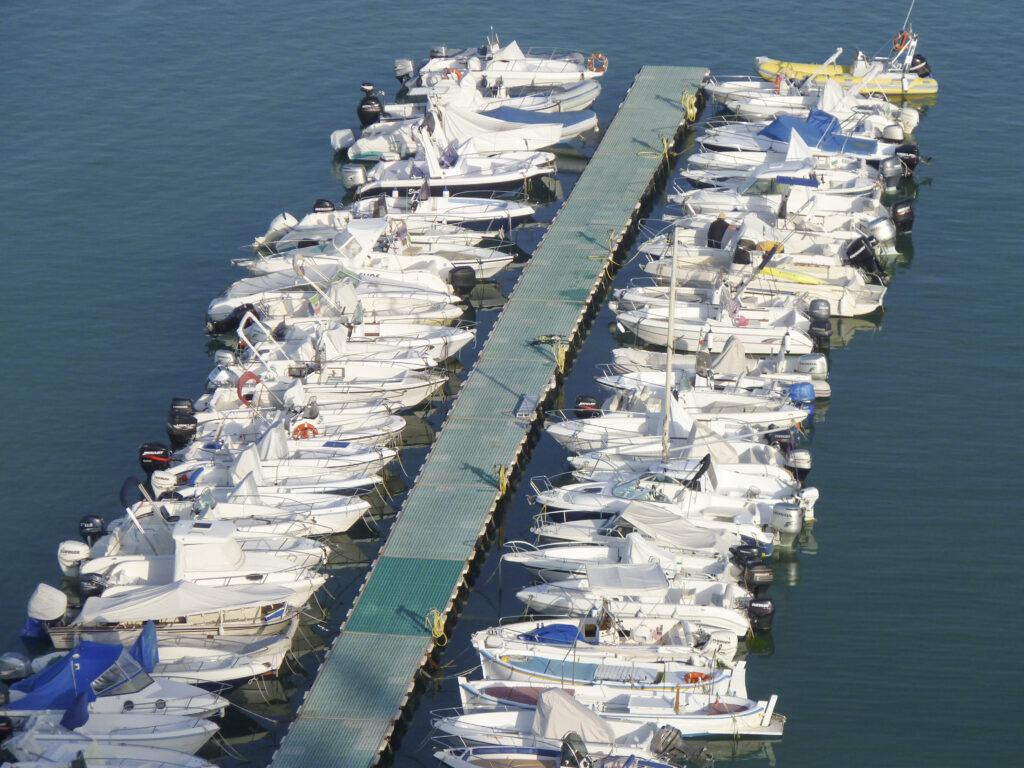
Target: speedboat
{"type": "Point", "coordinates": [905, 72]}
{"type": "Point", "coordinates": [101, 755]}
{"type": "Point", "coordinates": [110, 733]}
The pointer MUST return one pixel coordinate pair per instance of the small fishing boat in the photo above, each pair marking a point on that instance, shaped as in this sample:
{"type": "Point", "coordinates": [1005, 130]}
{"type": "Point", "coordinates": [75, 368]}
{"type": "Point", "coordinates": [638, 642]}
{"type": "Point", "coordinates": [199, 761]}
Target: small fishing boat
{"type": "Point", "coordinates": [98, 755]}
{"type": "Point", "coordinates": [139, 731]}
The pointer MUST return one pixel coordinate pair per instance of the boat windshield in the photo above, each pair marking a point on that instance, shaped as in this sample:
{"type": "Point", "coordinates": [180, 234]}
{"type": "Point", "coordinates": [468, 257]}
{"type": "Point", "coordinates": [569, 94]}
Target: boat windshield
{"type": "Point", "coordinates": [762, 186]}
{"type": "Point", "coordinates": [123, 676]}
{"type": "Point", "coordinates": [643, 488]}
{"type": "Point", "coordinates": [574, 750]}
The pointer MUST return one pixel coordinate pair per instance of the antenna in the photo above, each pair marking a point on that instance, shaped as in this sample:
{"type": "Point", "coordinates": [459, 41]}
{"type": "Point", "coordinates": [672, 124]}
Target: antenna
{"type": "Point", "coordinates": [909, 11]}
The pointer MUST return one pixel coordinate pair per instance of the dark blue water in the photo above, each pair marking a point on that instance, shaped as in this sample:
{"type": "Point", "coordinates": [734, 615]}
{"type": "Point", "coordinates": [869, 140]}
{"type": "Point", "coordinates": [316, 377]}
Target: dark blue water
{"type": "Point", "coordinates": [145, 144]}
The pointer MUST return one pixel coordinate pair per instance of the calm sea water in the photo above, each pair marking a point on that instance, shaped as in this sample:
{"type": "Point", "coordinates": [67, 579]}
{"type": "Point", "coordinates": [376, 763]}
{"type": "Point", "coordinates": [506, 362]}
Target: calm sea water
{"type": "Point", "coordinates": [145, 144]}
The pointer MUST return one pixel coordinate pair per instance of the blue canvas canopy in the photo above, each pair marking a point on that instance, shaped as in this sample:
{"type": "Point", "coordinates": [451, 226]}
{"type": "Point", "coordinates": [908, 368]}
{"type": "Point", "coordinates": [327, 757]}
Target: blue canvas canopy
{"type": "Point", "coordinates": [92, 669]}
{"type": "Point", "coordinates": [555, 634]}
{"type": "Point", "coordinates": [819, 130]}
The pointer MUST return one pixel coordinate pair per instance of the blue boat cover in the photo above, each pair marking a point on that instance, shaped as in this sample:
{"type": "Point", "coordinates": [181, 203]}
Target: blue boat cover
{"type": "Point", "coordinates": [77, 714]}
{"type": "Point", "coordinates": [797, 182]}
{"type": "Point", "coordinates": [820, 130]}
{"type": "Point", "coordinates": [60, 684]}
{"type": "Point", "coordinates": [555, 634]}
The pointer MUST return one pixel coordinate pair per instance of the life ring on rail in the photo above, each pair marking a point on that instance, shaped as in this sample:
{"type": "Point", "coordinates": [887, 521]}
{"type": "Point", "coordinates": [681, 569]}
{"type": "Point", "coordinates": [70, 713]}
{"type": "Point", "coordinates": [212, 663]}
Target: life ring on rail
{"type": "Point", "coordinates": [900, 41]}
{"type": "Point", "coordinates": [696, 677]}
{"type": "Point", "coordinates": [597, 62]}
{"type": "Point", "coordinates": [452, 74]}
{"type": "Point", "coordinates": [245, 394]}
{"type": "Point", "coordinates": [304, 431]}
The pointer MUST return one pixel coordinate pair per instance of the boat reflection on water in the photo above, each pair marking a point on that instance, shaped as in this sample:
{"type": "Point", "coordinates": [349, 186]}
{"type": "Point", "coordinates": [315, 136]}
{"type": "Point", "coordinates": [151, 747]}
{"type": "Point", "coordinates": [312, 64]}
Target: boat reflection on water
{"type": "Point", "coordinates": [732, 749]}
{"type": "Point", "coordinates": [346, 551]}
{"type": "Point", "coordinates": [844, 328]}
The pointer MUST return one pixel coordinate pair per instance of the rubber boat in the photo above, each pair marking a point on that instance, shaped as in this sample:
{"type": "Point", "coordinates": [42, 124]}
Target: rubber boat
{"type": "Point", "coordinates": [905, 72]}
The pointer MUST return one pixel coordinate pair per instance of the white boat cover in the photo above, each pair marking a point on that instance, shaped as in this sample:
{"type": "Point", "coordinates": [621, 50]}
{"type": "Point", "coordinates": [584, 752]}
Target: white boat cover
{"type": "Point", "coordinates": [640, 550]}
{"type": "Point", "coordinates": [618, 578]}
{"type": "Point", "coordinates": [180, 598]}
{"type": "Point", "coordinates": [732, 360]}
{"type": "Point", "coordinates": [558, 714]}
{"type": "Point", "coordinates": [667, 528]}
{"type": "Point", "coordinates": [491, 134]}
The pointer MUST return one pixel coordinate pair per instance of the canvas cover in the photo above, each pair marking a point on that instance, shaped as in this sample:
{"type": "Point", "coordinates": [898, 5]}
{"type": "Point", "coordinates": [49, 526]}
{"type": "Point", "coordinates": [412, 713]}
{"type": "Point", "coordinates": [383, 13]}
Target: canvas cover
{"type": "Point", "coordinates": [732, 360]}
{"type": "Point", "coordinates": [558, 714]}
{"type": "Point", "coordinates": [620, 579]}
{"type": "Point", "coordinates": [668, 529]}
{"type": "Point", "coordinates": [556, 634]}
{"type": "Point", "coordinates": [169, 601]}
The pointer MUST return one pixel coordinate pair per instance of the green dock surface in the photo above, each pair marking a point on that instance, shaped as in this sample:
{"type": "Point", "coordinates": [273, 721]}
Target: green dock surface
{"type": "Point", "coordinates": [350, 711]}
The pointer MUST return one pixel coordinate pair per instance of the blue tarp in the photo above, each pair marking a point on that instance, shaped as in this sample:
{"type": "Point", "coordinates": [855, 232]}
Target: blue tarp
{"type": "Point", "coordinates": [57, 686]}
{"type": "Point", "coordinates": [555, 634]}
{"type": "Point", "coordinates": [797, 182]}
{"type": "Point", "coordinates": [819, 130]}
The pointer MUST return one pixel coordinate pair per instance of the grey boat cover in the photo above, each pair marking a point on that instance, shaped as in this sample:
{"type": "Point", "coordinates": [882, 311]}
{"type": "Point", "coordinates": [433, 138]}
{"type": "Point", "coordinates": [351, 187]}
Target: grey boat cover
{"type": "Point", "coordinates": [558, 714]}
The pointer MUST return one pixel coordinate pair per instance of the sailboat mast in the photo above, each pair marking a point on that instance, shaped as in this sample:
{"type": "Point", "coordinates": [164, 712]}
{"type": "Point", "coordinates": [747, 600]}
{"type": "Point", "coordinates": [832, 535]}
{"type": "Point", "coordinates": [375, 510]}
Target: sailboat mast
{"type": "Point", "coordinates": [670, 348]}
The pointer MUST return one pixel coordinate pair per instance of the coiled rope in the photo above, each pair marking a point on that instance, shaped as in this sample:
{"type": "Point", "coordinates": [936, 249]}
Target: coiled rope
{"type": "Point", "coordinates": [435, 625]}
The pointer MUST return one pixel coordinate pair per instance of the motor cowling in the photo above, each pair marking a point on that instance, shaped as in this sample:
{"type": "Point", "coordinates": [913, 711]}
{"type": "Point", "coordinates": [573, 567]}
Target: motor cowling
{"type": "Point", "coordinates": [893, 134]}
{"type": "Point", "coordinates": [153, 456]}
{"type": "Point", "coordinates": [891, 172]}
{"type": "Point", "coordinates": [761, 611]}
{"type": "Point", "coordinates": [787, 519]}
{"type": "Point", "coordinates": [462, 279]}
{"type": "Point", "coordinates": [70, 556]}
{"type": "Point", "coordinates": [91, 585]}
{"type": "Point", "coordinates": [370, 106]}
{"type": "Point", "coordinates": [798, 461]}
{"type": "Point", "coordinates": [586, 407]}
{"type": "Point", "coordinates": [814, 365]}
{"type": "Point", "coordinates": [181, 429]}
{"type": "Point", "coordinates": [404, 69]}
{"type": "Point", "coordinates": [902, 213]}
{"type": "Point", "coordinates": [323, 206]}
{"type": "Point", "coordinates": [908, 155]}
{"type": "Point", "coordinates": [860, 253]}
{"type": "Point", "coordinates": [757, 577]}
{"type": "Point", "coordinates": [90, 528]}
{"type": "Point", "coordinates": [353, 175]}
{"type": "Point", "coordinates": [230, 323]}
{"type": "Point", "coordinates": [919, 66]}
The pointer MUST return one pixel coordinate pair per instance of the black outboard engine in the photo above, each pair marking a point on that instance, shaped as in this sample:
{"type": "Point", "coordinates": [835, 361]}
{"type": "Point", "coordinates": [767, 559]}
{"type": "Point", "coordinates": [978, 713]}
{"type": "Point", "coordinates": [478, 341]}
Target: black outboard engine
{"type": "Point", "coordinates": [821, 325]}
{"type": "Point", "coordinates": [919, 66]}
{"type": "Point", "coordinates": [462, 279]}
{"type": "Point", "coordinates": [909, 155]}
{"type": "Point", "coordinates": [90, 528]}
{"type": "Point", "coordinates": [181, 423]}
{"type": "Point", "coordinates": [154, 456]}
{"type": "Point", "coordinates": [902, 213]}
{"type": "Point", "coordinates": [370, 107]}
{"type": "Point", "coordinates": [742, 253]}
{"type": "Point", "coordinates": [91, 585]}
{"type": "Point", "coordinates": [230, 323]}
{"type": "Point", "coordinates": [761, 610]}
{"type": "Point", "coordinates": [860, 253]}
{"type": "Point", "coordinates": [756, 574]}
{"type": "Point", "coordinates": [587, 407]}
{"type": "Point", "coordinates": [784, 439]}
{"type": "Point", "coordinates": [323, 206]}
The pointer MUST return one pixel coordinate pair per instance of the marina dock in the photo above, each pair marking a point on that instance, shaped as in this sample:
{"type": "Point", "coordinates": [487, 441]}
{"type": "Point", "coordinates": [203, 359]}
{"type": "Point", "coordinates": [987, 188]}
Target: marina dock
{"type": "Point", "coordinates": [351, 710]}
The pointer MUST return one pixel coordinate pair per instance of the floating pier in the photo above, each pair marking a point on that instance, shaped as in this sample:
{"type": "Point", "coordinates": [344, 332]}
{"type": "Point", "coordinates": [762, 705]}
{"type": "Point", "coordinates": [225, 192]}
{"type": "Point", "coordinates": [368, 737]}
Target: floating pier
{"type": "Point", "coordinates": [350, 712]}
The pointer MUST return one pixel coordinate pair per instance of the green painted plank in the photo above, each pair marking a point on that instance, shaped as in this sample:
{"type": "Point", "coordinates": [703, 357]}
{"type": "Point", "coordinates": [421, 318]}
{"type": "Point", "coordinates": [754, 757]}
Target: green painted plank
{"type": "Point", "coordinates": [400, 593]}
{"type": "Point", "coordinates": [444, 520]}
{"type": "Point", "coordinates": [312, 742]}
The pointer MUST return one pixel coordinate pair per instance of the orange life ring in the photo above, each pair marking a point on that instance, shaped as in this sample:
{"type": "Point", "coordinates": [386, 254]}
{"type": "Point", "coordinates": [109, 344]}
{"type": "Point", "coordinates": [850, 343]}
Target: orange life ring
{"type": "Point", "coordinates": [900, 41]}
{"type": "Point", "coordinates": [305, 430]}
{"type": "Point", "coordinates": [778, 83]}
{"type": "Point", "coordinates": [597, 62]}
{"type": "Point", "coordinates": [696, 677]}
{"type": "Point", "coordinates": [452, 74]}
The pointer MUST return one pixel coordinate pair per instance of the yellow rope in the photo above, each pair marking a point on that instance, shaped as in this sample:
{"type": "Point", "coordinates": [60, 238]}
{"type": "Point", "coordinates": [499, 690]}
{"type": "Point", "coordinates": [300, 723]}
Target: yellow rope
{"type": "Point", "coordinates": [560, 357]}
{"type": "Point", "coordinates": [688, 101]}
{"type": "Point", "coordinates": [503, 479]}
{"type": "Point", "coordinates": [666, 154]}
{"type": "Point", "coordinates": [435, 625]}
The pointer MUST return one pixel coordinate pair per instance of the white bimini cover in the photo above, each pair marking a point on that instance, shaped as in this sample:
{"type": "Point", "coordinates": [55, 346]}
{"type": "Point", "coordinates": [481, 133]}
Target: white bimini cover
{"type": "Point", "coordinates": [619, 579]}
{"type": "Point", "coordinates": [668, 529]}
{"type": "Point", "coordinates": [558, 714]}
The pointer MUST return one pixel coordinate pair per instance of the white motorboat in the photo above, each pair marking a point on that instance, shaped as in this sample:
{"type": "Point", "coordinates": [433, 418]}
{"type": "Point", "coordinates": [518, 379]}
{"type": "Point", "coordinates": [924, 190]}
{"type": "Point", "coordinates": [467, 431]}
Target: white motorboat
{"type": "Point", "coordinates": [110, 733]}
{"type": "Point", "coordinates": [769, 182]}
{"type": "Point", "coordinates": [643, 590]}
{"type": "Point", "coordinates": [100, 755]}
{"type": "Point", "coordinates": [696, 715]}
{"type": "Point", "coordinates": [177, 608]}
{"type": "Point", "coordinates": [220, 661]}
{"type": "Point", "coordinates": [573, 753]}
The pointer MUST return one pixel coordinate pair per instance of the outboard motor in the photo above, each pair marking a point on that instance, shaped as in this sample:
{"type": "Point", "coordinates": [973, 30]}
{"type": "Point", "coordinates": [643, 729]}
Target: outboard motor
{"type": "Point", "coordinates": [742, 253]}
{"type": "Point", "coordinates": [902, 213]}
{"type": "Point", "coordinates": [91, 585]}
{"type": "Point", "coordinates": [181, 423]}
{"type": "Point", "coordinates": [757, 576]}
{"type": "Point", "coordinates": [70, 556]}
{"type": "Point", "coordinates": [439, 51]}
{"type": "Point", "coordinates": [462, 279]}
{"type": "Point", "coordinates": [668, 745]}
{"type": "Point", "coordinates": [787, 520]}
{"type": "Point", "coordinates": [893, 134]}
{"type": "Point", "coordinates": [919, 66]}
{"type": "Point", "coordinates": [230, 323]}
{"type": "Point", "coordinates": [891, 171]}
{"type": "Point", "coordinates": [323, 206]}
{"type": "Point", "coordinates": [814, 365]}
{"type": "Point", "coordinates": [801, 395]}
{"type": "Point", "coordinates": [821, 334]}
{"type": "Point", "coordinates": [860, 253]}
{"type": "Point", "coordinates": [761, 610]}
{"type": "Point", "coordinates": [883, 230]}
{"type": "Point", "coordinates": [404, 69]}
{"type": "Point", "coordinates": [909, 155]}
{"type": "Point", "coordinates": [370, 106]}
{"type": "Point", "coordinates": [153, 456]}
{"type": "Point", "coordinates": [783, 439]}
{"type": "Point", "coordinates": [798, 461]}
{"type": "Point", "coordinates": [90, 528]}
{"type": "Point", "coordinates": [587, 407]}
{"type": "Point", "coordinates": [353, 175]}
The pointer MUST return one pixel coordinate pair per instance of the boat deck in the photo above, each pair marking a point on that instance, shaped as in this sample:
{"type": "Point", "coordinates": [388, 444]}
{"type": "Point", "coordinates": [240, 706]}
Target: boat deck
{"type": "Point", "coordinates": [350, 711]}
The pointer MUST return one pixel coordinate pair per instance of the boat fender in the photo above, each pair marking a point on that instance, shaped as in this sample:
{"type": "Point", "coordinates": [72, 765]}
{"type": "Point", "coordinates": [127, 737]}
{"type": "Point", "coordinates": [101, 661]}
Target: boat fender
{"type": "Point", "coordinates": [597, 62]}
{"type": "Point", "coordinates": [304, 431]}
{"type": "Point", "coordinates": [90, 528]}
{"type": "Point", "coordinates": [900, 41]}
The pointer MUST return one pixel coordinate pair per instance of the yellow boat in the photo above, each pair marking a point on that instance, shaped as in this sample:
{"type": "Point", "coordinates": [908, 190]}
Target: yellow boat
{"type": "Point", "coordinates": [904, 72]}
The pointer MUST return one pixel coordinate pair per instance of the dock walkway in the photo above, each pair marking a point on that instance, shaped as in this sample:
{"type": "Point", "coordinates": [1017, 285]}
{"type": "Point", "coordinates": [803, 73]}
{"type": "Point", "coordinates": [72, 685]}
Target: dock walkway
{"type": "Point", "coordinates": [350, 711]}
